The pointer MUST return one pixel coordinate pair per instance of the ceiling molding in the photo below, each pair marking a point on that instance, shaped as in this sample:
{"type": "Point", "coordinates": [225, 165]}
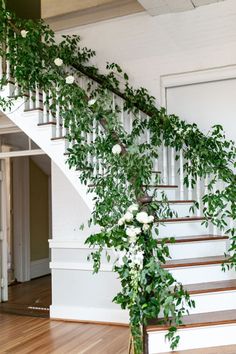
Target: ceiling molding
{"type": "Point", "coordinates": [160, 7]}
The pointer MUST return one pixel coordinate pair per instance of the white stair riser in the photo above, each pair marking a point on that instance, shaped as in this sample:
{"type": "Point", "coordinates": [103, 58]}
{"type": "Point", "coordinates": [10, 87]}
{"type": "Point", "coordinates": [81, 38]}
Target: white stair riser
{"type": "Point", "coordinates": [182, 228]}
{"type": "Point", "coordinates": [192, 338]}
{"type": "Point", "coordinates": [197, 249]}
{"type": "Point", "coordinates": [217, 301]}
{"type": "Point", "coordinates": [201, 274]}
{"type": "Point", "coordinates": [171, 193]}
{"type": "Point", "coordinates": [182, 209]}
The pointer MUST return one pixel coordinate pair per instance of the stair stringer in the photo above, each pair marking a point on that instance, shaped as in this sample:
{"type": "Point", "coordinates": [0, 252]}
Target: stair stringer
{"type": "Point", "coordinates": [41, 135]}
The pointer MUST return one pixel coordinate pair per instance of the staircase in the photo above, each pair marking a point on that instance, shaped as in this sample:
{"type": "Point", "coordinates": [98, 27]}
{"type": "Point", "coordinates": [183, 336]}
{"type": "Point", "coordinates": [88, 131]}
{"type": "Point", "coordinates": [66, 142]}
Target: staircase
{"type": "Point", "coordinates": [198, 252]}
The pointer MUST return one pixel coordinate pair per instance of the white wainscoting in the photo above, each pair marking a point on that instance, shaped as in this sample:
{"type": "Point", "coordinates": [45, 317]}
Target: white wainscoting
{"type": "Point", "coordinates": [39, 268]}
{"type": "Point", "coordinates": [77, 293]}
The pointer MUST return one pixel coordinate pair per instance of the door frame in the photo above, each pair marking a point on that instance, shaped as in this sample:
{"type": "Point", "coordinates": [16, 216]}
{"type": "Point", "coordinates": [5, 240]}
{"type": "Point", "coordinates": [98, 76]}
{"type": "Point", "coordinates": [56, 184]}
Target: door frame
{"type": "Point", "coordinates": [22, 243]}
{"type": "Point", "coordinates": [221, 73]}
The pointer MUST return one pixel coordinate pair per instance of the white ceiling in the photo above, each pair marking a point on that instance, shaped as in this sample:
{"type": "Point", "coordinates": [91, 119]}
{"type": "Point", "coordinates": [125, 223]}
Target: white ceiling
{"type": "Point", "coordinates": [159, 7]}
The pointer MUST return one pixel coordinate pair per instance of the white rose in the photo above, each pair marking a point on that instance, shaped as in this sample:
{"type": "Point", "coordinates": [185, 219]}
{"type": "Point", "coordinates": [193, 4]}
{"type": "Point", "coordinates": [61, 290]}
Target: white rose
{"type": "Point", "coordinates": [91, 102]}
{"type": "Point", "coordinates": [70, 79]}
{"type": "Point", "coordinates": [58, 62]}
{"type": "Point", "coordinates": [137, 259]}
{"type": "Point", "coordinates": [116, 149]}
{"type": "Point", "coordinates": [130, 231]}
{"type": "Point", "coordinates": [150, 219]}
{"type": "Point", "coordinates": [121, 221]}
{"type": "Point", "coordinates": [146, 227]}
{"type": "Point", "coordinates": [133, 207]}
{"type": "Point", "coordinates": [128, 216]}
{"type": "Point", "coordinates": [142, 217]}
{"type": "Point", "coordinates": [23, 33]}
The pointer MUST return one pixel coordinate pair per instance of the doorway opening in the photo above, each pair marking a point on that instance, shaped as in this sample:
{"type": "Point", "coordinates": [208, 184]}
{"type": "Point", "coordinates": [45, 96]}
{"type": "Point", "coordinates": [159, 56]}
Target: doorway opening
{"type": "Point", "coordinates": [25, 226]}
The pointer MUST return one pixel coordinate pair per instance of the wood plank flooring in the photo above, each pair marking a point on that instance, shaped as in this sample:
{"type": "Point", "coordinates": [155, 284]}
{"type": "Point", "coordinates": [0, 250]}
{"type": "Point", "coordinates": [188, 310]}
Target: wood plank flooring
{"type": "Point", "coordinates": [24, 335]}
{"type": "Point", "coordinates": [30, 298]}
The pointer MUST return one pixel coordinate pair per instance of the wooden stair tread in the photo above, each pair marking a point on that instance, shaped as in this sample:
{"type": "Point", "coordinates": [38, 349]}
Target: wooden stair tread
{"type": "Point", "coordinates": [198, 320]}
{"type": "Point", "coordinates": [186, 218]}
{"type": "Point", "coordinates": [215, 286]}
{"type": "Point", "coordinates": [191, 262]}
{"type": "Point", "coordinates": [197, 238]}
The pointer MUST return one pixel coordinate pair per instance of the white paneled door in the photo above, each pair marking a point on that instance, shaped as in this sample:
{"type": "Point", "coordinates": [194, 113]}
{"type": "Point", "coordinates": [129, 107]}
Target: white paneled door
{"type": "Point", "coordinates": [3, 236]}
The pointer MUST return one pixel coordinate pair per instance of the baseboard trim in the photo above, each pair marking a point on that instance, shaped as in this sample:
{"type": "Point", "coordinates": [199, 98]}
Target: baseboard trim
{"type": "Point", "coordinates": [39, 268]}
{"type": "Point", "coordinates": [89, 315]}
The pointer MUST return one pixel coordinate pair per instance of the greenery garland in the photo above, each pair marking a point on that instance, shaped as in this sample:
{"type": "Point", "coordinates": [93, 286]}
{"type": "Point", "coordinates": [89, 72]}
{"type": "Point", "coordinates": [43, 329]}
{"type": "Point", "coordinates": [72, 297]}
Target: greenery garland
{"type": "Point", "coordinates": [129, 226]}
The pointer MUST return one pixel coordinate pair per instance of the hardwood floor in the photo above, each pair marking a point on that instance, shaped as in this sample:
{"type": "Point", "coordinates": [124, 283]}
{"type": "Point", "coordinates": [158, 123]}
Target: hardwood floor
{"type": "Point", "coordinates": [31, 298]}
{"type": "Point", "coordinates": [23, 335]}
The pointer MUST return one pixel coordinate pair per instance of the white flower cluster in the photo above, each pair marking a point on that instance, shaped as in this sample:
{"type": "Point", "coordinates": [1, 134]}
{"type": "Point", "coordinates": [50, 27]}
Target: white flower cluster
{"type": "Point", "coordinates": [135, 253]}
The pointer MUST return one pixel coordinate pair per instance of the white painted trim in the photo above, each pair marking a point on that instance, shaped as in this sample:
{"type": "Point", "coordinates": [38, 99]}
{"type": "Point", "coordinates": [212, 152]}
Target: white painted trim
{"type": "Point", "coordinates": [79, 266]}
{"type": "Point", "coordinates": [9, 129]}
{"type": "Point", "coordinates": [4, 247]}
{"type": "Point", "coordinates": [89, 314]}
{"type": "Point", "coordinates": [71, 244]}
{"type": "Point", "coordinates": [39, 268]}
{"type": "Point", "coordinates": [195, 77]}
{"type": "Point", "coordinates": [21, 222]}
{"type": "Point", "coordinates": [21, 153]}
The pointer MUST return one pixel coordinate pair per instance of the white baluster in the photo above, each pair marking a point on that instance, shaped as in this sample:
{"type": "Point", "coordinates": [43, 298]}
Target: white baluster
{"type": "Point", "coordinates": [172, 165]}
{"type": "Point", "coordinates": [198, 195]}
{"type": "Point", "coordinates": [45, 110]}
{"type": "Point", "coordinates": [122, 113]}
{"type": "Point", "coordinates": [190, 190]}
{"type": "Point", "coordinates": [51, 119]}
{"type": "Point", "coordinates": [181, 175]}
{"type": "Point", "coordinates": [94, 137]}
{"type": "Point", "coordinates": [164, 156]}
{"type": "Point", "coordinates": [215, 229]}
{"type": "Point", "coordinates": [58, 119]}
{"type": "Point", "coordinates": [31, 102]}
{"type": "Point", "coordinates": [37, 97]}
{"type": "Point", "coordinates": [1, 70]}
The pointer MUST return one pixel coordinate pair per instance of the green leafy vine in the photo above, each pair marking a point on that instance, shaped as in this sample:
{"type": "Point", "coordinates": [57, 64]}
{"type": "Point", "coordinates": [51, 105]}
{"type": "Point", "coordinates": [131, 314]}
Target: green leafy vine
{"type": "Point", "coordinates": [118, 165]}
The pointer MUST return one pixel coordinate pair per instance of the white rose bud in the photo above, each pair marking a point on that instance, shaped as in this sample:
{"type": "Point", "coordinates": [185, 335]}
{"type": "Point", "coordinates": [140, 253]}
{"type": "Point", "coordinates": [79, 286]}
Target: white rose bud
{"type": "Point", "coordinates": [137, 230]}
{"type": "Point", "coordinates": [116, 149]}
{"type": "Point", "coordinates": [92, 102]}
{"type": "Point", "coordinates": [70, 79]}
{"type": "Point", "coordinates": [23, 33]}
{"type": "Point", "coordinates": [121, 221]}
{"type": "Point", "coordinates": [128, 216]}
{"type": "Point", "coordinates": [58, 62]}
{"type": "Point", "coordinates": [146, 227]}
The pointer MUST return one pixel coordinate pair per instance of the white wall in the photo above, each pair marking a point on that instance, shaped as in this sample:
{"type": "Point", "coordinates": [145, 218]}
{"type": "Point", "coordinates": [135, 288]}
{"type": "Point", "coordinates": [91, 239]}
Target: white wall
{"type": "Point", "coordinates": [148, 47]}
{"type": "Point", "coordinates": [76, 292]}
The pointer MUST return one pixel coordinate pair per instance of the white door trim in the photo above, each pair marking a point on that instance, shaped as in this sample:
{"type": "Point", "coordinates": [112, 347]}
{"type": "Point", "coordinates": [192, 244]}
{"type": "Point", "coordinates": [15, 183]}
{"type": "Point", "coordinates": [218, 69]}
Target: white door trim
{"type": "Point", "coordinates": [3, 210]}
{"type": "Point", "coordinates": [195, 77]}
{"type": "Point", "coordinates": [21, 206]}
